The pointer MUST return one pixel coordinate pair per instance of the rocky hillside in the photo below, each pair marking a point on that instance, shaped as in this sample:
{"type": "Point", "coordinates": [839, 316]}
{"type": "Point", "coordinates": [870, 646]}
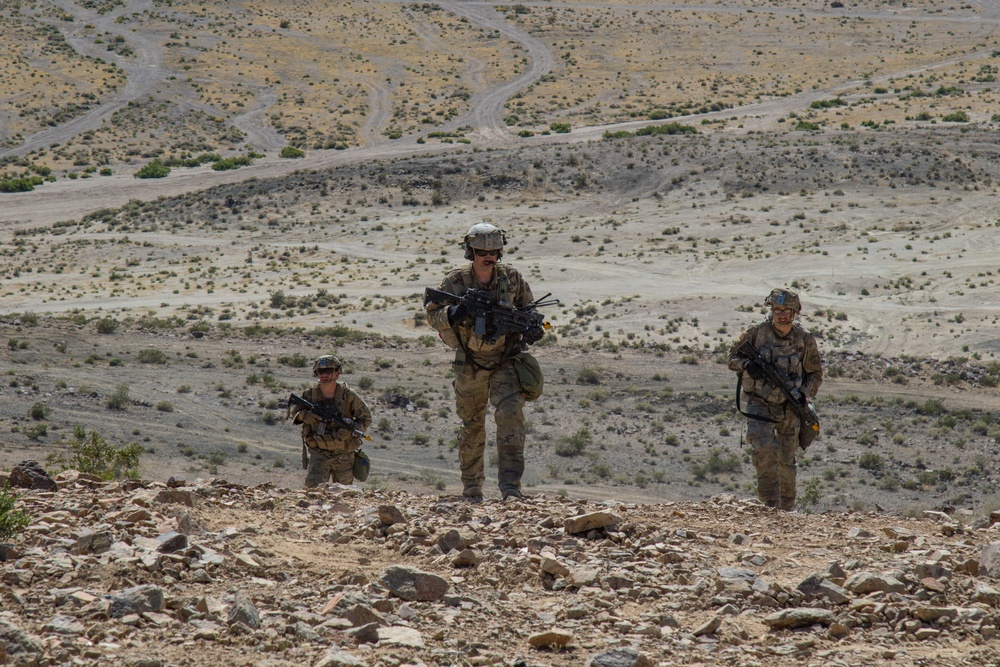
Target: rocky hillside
{"type": "Point", "coordinates": [206, 572]}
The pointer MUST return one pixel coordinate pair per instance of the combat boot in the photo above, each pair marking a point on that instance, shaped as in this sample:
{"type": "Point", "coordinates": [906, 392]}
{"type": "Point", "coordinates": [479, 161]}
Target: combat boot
{"type": "Point", "coordinates": [512, 492]}
{"type": "Point", "coordinates": [474, 494]}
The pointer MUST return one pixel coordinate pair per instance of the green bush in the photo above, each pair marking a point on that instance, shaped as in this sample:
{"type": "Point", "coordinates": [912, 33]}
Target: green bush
{"type": "Point", "coordinates": [152, 356]}
{"type": "Point", "coordinates": [155, 169]}
{"type": "Point", "coordinates": [20, 184]}
{"type": "Point", "coordinates": [94, 455]}
{"type": "Point", "coordinates": [871, 461]}
{"type": "Point", "coordinates": [12, 521]}
{"type": "Point", "coordinates": [119, 399]}
{"type": "Point", "coordinates": [667, 128]}
{"type": "Point", "coordinates": [107, 325]}
{"type": "Point", "coordinates": [228, 163]}
{"type": "Point", "coordinates": [292, 152]}
{"type": "Point", "coordinates": [39, 411]}
{"type": "Point", "coordinates": [574, 445]}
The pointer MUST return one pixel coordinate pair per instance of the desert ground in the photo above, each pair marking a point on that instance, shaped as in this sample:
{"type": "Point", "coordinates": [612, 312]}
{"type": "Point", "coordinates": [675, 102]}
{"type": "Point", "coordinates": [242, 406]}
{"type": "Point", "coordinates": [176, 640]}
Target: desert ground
{"type": "Point", "coordinates": [658, 168]}
{"type": "Point", "coordinates": [846, 152]}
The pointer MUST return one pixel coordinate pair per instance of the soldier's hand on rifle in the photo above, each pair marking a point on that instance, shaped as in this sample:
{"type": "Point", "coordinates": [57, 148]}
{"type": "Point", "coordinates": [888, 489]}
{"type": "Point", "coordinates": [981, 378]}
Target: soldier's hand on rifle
{"type": "Point", "coordinates": [532, 335]}
{"type": "Point", "coordinates": [310, 417]}
{"type": "Point", "coordinates": [460, 313]}
{"type": "Point", "coordinates": [754, 370]}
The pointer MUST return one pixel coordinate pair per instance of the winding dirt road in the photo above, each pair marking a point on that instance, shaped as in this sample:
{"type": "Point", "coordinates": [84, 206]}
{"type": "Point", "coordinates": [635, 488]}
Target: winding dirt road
{"type": "Point", "coordinates": [71, 199]}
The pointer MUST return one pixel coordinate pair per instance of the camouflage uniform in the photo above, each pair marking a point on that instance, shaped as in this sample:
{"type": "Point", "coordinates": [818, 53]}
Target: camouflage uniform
{"type": "Point", "coordinates": [484, 373]}
{"type": "Point", "coordinates": [774, 443]}
{"type": "Point", "coordinates": [331, 449]}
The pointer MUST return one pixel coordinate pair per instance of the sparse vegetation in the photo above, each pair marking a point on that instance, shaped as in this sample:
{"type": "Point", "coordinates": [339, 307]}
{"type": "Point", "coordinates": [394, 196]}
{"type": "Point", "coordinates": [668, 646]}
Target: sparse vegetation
{"type": "Point", "coordinates": [93, 454]}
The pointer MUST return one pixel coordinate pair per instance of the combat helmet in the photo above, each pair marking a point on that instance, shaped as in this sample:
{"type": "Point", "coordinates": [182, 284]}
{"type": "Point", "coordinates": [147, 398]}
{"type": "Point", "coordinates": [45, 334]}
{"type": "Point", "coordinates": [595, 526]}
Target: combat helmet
{"type": "Point", "coordinates": [327, 361]}
{"type": "Point", "coordinates": [783, 298]}
{"type": "Point", "coordinates": [483, 236]}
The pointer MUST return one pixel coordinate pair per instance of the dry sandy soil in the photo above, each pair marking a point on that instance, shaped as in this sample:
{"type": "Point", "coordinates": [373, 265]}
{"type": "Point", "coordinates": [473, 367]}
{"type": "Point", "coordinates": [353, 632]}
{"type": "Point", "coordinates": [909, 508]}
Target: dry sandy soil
{"type": "Point", "coordinates": [831, 168]}
{"type": "Point", "coordinates": [849, 152]}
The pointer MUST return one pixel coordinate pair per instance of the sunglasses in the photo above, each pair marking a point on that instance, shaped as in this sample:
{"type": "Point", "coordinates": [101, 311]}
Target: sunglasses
{"type": "Point", "coordinates": [328, 371]}
{"type": "Point", "coordinates": [484, 253]}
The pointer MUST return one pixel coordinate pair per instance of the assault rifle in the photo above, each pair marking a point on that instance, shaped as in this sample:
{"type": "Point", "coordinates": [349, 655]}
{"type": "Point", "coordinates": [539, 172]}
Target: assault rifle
{"type": "Point", "coordinates": [324, 412]}
{"type": "Point", "coordinates": [809, 428]}
{"type": "Point", "coordinates": [493, 320]}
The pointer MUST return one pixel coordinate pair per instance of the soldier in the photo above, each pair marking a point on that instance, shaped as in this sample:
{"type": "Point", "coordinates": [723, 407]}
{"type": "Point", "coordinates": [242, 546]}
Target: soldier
{"type": "Point", "coordinates": [330, 447]}
{"type": "Point", "coordinates": [484, 371]}
{"type": "Point", "coordinates": [773, 425]}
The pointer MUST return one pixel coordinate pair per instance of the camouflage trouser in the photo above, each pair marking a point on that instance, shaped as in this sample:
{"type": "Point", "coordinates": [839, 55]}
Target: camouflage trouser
{"type": "Point", "coordinates": [474, 390]}
{"type": "Point", "coordinates": [774, 448]}
{"type": "Point", "coordinates": [325, 466]}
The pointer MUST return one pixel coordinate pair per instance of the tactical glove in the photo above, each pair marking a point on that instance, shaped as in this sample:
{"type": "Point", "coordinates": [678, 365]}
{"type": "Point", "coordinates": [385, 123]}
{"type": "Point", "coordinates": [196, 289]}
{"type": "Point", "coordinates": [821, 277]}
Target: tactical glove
{"type": "Point", "coordinates": [310, 417]}
{"type": "Point", "coordinates": [459, 314]}
{"type": "Point", "coordinates": [532, 335]}
{"type": "Point", "coordinates": [754, 370]}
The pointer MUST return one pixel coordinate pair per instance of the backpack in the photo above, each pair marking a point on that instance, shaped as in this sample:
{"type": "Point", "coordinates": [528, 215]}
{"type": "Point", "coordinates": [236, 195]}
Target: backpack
{"type": "Point", "coordinates": [529, 374]}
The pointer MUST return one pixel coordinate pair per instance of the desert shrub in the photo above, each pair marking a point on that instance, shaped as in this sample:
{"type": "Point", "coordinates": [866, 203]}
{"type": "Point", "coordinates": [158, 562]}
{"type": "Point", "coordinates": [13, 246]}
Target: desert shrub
{"type": "Point", "coordinates": [889, 483]}
{"type": "Point", "coordinates": [866, 439]}
{"type": "Point", "coordinates": [155, 169]}
{"type": "Point", "coordinates": [719, 461]}
{"type": "Point", "coordinates": [588, 375]}
{"type": "Point", "coordinates": [667, 128]}
{"type": "Point", "coordinates": [225, 164]}
{"type": "Point", "coordinates": [39, 411]}
{"type": "Point", "coordinates": [165, 406]}
{"type": "Point", "coordinates": [809, 498]}
{"type": "Point", "coordinates": [152, 356]}
{"type": "Point", "coordinates": [12, 521]}
{"type": "Point", "coordinates": [297, 360]}
{"type": "Point", "coordinates": [602, 470]}
{"type": "Point", "coordinates": [26, 184]}
{"type": "Point", "coordinates": [871, 461]}
{"type": "Point", "coordinates": [119, 399]}
{"type": "Point", "coordinates": [956, 117]}
{"type": "Point", "coordinates": [36, 431]}
{"type": "Point", "coordinates": [560, 128]}
{"type": "Point", "coordinates": [94, 455]}
{"type": "Point", "coordinates": [365, 383]}
{"type": "Point", "coordinates": [828, 104]}
{"type": "Point", "coordinates": [107, 325]}
{"type": "Point", "coordinates": [573, 445]}
{"type": "Point", "coordinates": [292, 152]}
{"type": "Point", "coordinates": [931, 407]}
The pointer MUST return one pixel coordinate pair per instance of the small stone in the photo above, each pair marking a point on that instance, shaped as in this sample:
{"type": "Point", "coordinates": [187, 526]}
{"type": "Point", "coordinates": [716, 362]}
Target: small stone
{"type": "Point", "coordinates": [412, 584]}
{"type": "Point", "coordinates": [709, 627]}
{"type": "Point", "coordinates": [555, 638]}
{"type": "Point", "coordinates": [620, 657]}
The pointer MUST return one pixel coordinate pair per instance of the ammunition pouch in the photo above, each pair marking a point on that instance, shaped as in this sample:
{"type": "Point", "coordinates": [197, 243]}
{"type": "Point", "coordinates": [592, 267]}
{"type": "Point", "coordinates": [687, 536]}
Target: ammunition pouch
{"type": "Point", "coordinates": [529, 375]}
